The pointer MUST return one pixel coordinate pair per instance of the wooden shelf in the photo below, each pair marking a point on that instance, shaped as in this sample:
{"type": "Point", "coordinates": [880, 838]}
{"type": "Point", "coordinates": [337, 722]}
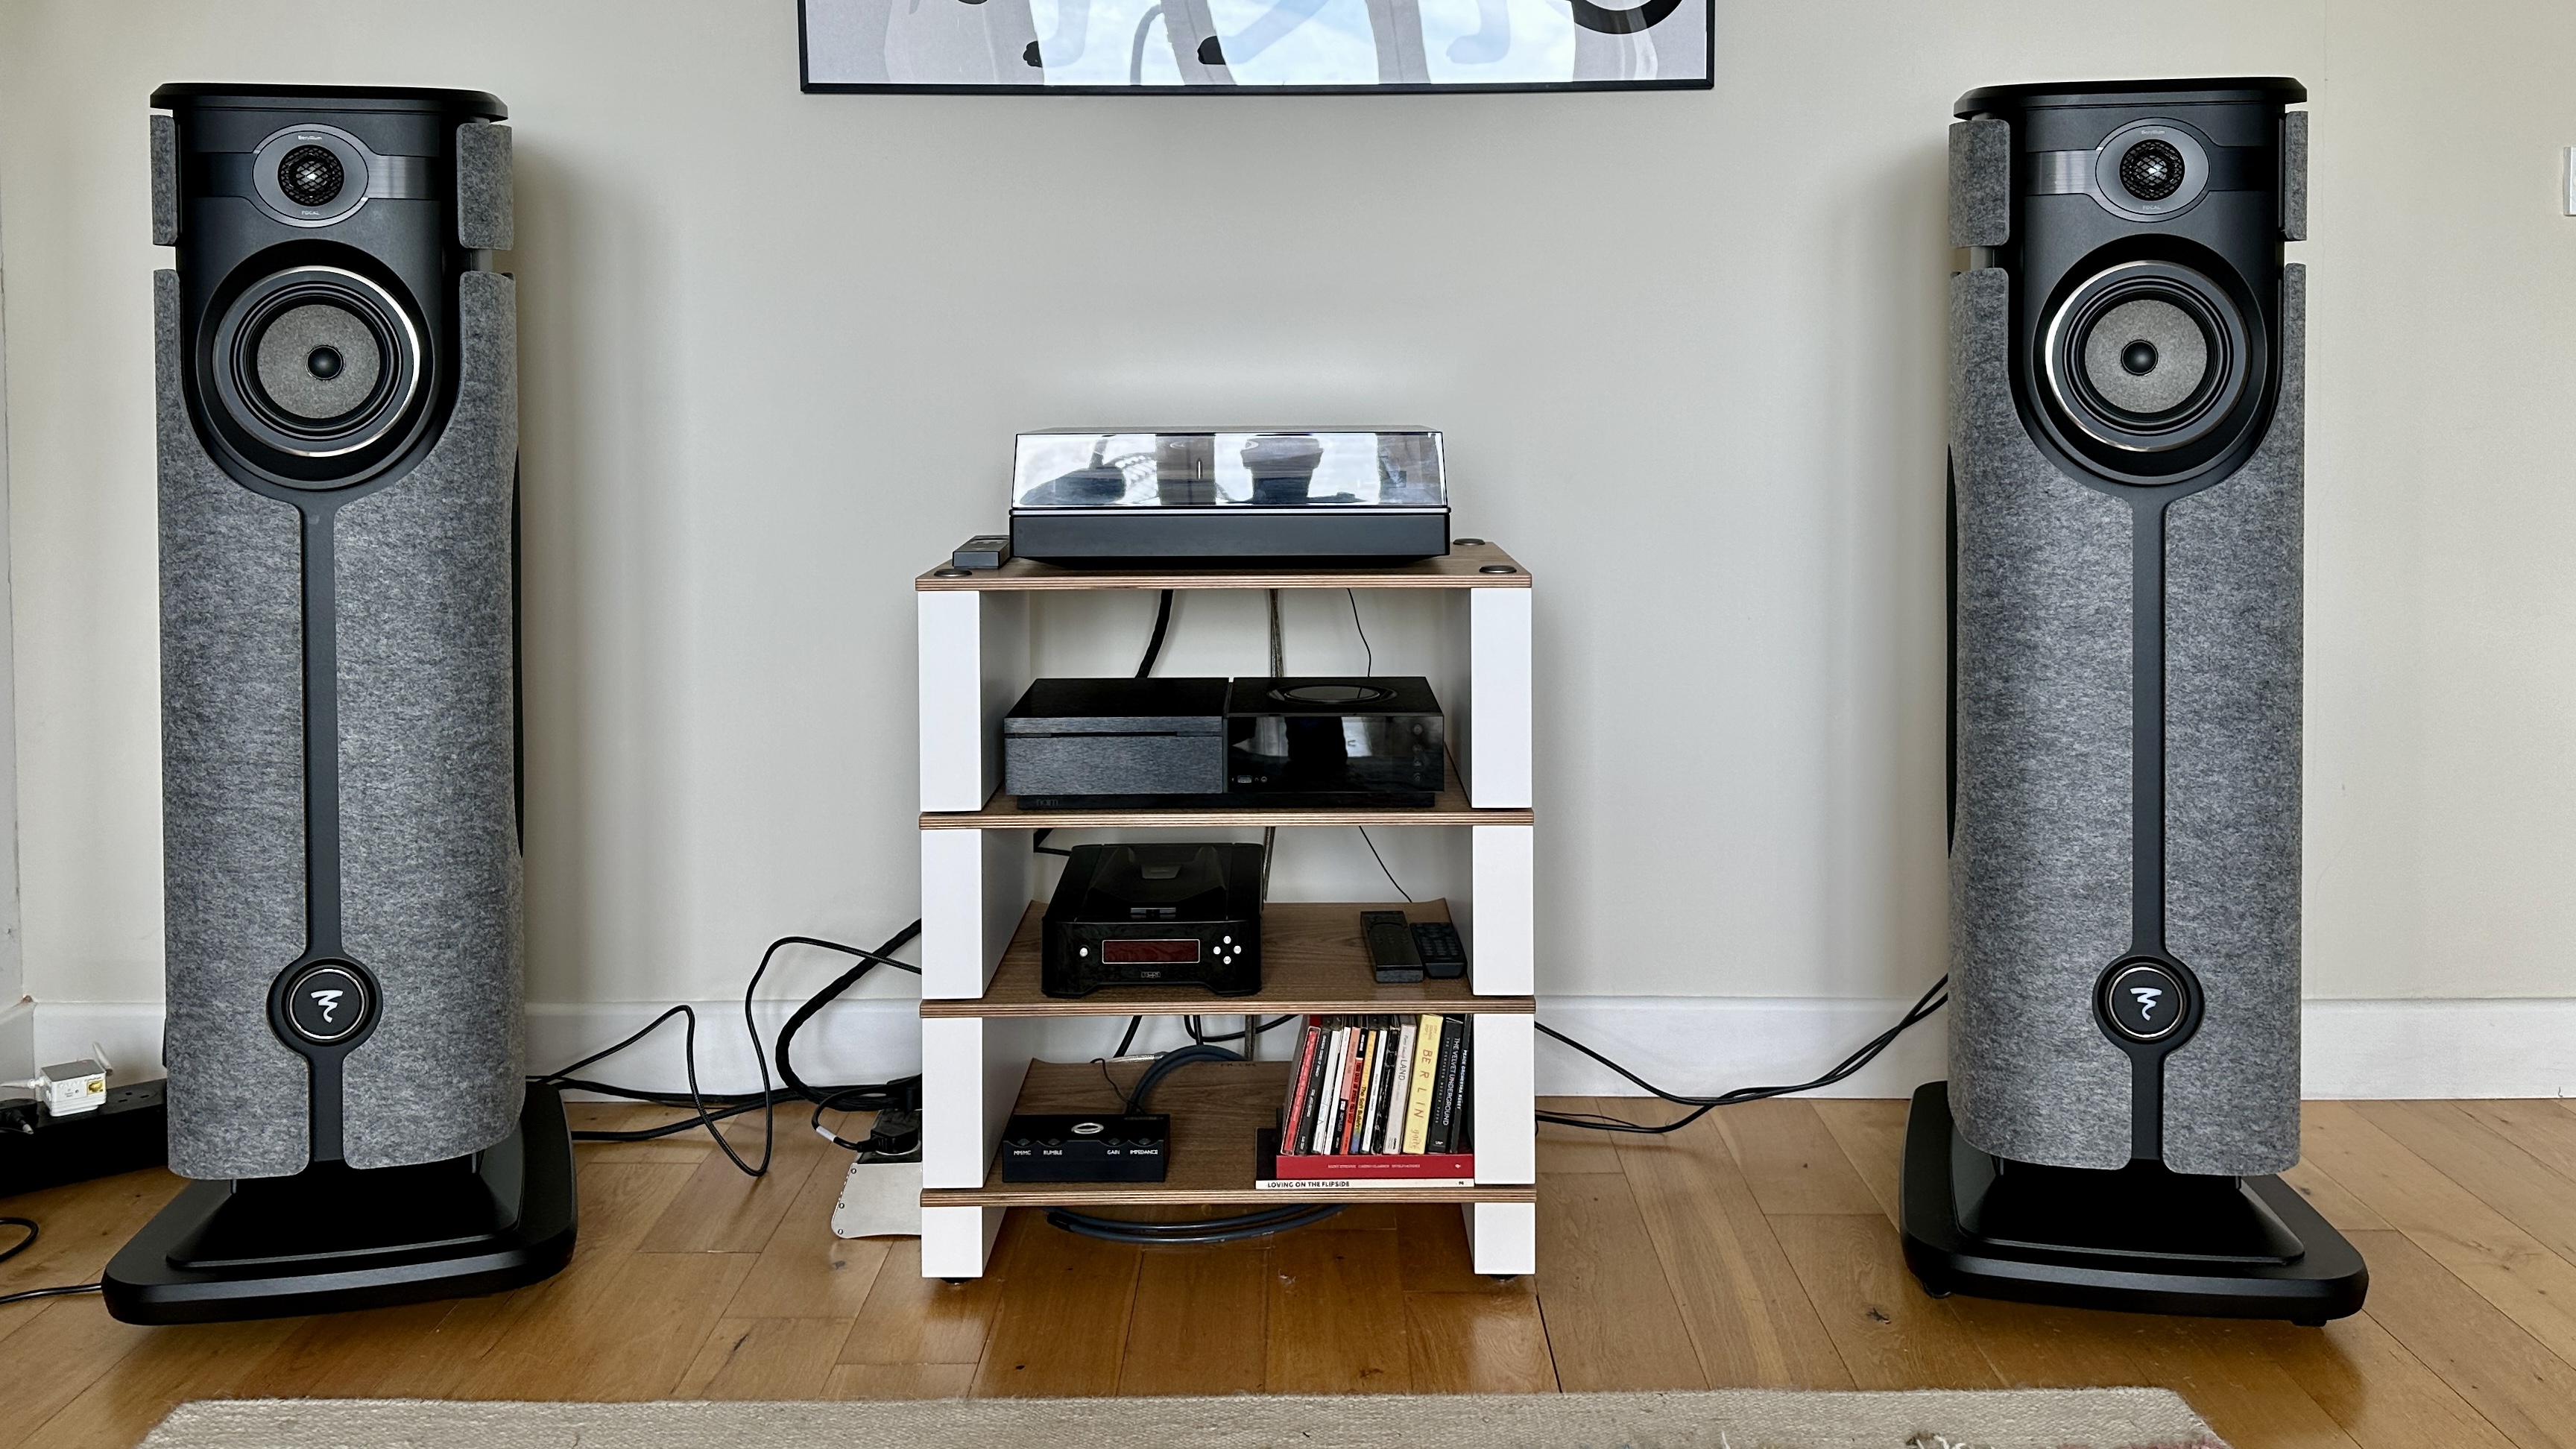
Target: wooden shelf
{"type": "Point", "coordinates": [1312, 961]}
{"type": "Point", "coordinates": [1003, 812]}
{"type": "Point", "coordinates": [1461, 568]}
{"type": "Point", "coordinates": [1215, 1107]}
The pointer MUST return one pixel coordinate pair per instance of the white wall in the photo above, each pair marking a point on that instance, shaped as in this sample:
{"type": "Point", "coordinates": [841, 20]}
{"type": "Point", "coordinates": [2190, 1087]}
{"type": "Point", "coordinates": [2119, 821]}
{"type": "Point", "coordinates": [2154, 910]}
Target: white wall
{"type": "Point", "coordinates": [1687, 348]}
{"type": "Point", "coordinates": [16, 1020]}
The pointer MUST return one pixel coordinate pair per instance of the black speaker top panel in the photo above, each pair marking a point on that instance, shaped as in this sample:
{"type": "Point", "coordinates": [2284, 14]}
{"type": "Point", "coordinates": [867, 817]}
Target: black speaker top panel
{"type": "Point", "coordinates": [201, 95]}
{"type": "Point", "coordinates": [2277, 90]}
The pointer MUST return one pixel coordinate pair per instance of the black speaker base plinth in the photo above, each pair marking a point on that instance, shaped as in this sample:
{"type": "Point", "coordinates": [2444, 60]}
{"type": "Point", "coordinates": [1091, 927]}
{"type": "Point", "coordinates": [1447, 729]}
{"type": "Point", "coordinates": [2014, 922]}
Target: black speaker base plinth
{"type": "Point", "coordinates": [333, 1238]}
{"type": "Point", "coordinates": [2143, 1239]}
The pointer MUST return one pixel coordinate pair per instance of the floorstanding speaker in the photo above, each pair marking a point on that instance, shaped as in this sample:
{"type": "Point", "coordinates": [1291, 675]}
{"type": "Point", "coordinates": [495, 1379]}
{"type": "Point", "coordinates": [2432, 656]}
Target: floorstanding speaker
{"type": "Point", "coordinates": [2126, 441]}
{"type": "Point", "coordinates": [338, 428]}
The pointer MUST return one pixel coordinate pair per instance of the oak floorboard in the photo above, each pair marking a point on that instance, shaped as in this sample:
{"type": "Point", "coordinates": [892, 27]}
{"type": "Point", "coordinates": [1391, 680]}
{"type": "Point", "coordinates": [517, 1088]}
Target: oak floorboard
{"type": "Point", "coordinates": [1563, 1149]}
{"type": "Point", "coordinates": [2510, 1268]}
{"type": "Point", "coordinates": [1337, 1318]}
{"type": "Point", "coordinates": [1792, 1160]}
{"type": "Point", "coordinates": [81, 1226]}
{"type": "Point", "coordinates": [2251, 1400]}
{"type": "Point", "coordinates": [663, 1305]}
{"type": "Point", "coordinates": [2454, 1348]}
{"type": "Point", "coordinates": [2332, 1200]}
{"type": "Point", "coordinates": [688, 1148]}
{"type": "Point", "coordinates": [2035, 1347]}
{"type": "Point", "coordinates": [2506, 1374]}
{"type": "Point", "coordinates": [1612, 1322]}
{"type": "Point", "coordinates": [1431, 1242]}
{"type": "Point", "coordinates": [342, 1355]}
{"type": "Point", "coordinates": [805, 1272]}
{"type": "Point", "coordinates": [725, 1210]}
{"type": "Point", "coordinates": [62, 1349]}
{"type": "Point", "coordinates": [2544, 1127]}
{"type": "Point", "coordinates": [765, 1358]}
{"type": "Point", "coordinates": [2530, 1195]}
{"type": "Point", "coordinates": [169, 1367]}
{"type": "Point", "coordinates": [909, 1319]}
{"type": "Point", "coordinates": [1200, 1324]}
{"type": "Point", "coordinates": [2382, 1395]}
{"type": "Point", "coordinates": [899, 1381]}
{"type": "Point", "coordinates": [1871, 1133]}
{"type": "Point", "coordinates": [1890, 1333]}
{"type": "Point", "coordinates": [1062, 1321]}
{"type": "Point", "coordinates": [1476, 1343]}
{"type": "Point", "coordinates": [1750, 1318]}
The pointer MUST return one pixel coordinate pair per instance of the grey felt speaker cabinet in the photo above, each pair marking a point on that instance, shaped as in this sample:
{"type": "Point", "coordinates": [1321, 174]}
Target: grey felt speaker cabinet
{"type": "Point", "coordinates": [2127, 433]}
{"type": "Point", "coordinates": [336, 363]}
{"type": "Point", "coordinates": [338, 670]}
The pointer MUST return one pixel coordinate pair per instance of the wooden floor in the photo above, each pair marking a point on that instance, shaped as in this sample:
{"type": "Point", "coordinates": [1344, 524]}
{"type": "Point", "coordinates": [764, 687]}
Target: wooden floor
{"type": "Point", "coordinates": [1755, 1248]}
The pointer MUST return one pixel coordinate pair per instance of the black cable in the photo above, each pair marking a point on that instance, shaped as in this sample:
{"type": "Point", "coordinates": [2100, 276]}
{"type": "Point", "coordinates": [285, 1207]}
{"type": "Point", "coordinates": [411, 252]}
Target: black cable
{"type": "Point", "coordinates": [1381, 866]}
{"type": "Point", "coordinates": [1206, 1230]}
{"type": "Point", "coordinates": [902, 1092]}
{"type": "Point", "coordinates": [1120, 1230]}
{"type": "Point", "coordinates": [1198, 1034]}
{"type": "Point", "coordinates": [23, 1244]}
{"type": "Point", "coordinates": [1932, 1000]}
{"type": "Point", "coordinates": [65, 1291]}
{"type": "Point", "coordinates": [1129, 1039]}
{"type": "Point", "coordinates": [689, 1060]}
{"type": "Point", "coordinates": [1367, 651]}
{"type": "Point", "coordinates": [883, 955]}
{"type": "Point", "coordinates": [1154, 646]}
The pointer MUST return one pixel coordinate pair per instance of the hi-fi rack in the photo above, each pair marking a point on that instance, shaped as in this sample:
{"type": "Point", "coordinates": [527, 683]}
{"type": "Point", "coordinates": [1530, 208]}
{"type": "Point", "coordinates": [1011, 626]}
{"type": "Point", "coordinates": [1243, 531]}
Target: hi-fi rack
{"type": "Point", "coordinates": [982, 1011]}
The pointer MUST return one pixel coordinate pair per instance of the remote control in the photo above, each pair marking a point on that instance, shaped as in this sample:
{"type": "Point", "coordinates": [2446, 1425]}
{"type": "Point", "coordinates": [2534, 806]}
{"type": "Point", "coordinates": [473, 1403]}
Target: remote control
{"type": "Point", "coordinates": [983, 551]}
{"type": "Point", "coordinates": [1390, 947]}
{"type": "Point", "coordinates": [1444, 956]}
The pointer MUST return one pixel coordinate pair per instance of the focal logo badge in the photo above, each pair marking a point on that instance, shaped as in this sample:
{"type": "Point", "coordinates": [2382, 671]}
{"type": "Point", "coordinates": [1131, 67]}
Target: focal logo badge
{"type": "Point", "coordinates": [2145, 1001]}
{"type": "Point", "coordinates": [328, 1003]}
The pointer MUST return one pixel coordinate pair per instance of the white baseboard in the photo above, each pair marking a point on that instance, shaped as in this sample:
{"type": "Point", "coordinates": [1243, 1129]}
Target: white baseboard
{"type": "Point", "coordinates": [1691, 1045]}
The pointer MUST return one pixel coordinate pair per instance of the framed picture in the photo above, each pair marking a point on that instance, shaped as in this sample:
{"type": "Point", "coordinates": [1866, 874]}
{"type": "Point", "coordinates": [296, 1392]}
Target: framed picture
{"type": "Point", "coordinates": [1208, 47]}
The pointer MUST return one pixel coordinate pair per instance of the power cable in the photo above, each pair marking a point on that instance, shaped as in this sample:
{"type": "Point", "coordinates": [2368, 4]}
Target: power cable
{"type": "Point", "coordinates": [22, 1245]}
{"type": "Point", "coordinates": [1154, 646]}
{"type": "Point", "coordinates": [901, 1096]}
{"type": "Point", "coordinates": [1932, 1000]}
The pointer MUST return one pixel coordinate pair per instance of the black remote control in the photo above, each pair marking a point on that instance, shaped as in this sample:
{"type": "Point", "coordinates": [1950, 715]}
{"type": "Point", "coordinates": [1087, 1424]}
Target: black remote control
{"type": "Point", "coordinates": [1390, 947]}
{"type": "Point", "coordinates": [1444, 955]}
{"type": "Point", "coordinates": [983, 551]}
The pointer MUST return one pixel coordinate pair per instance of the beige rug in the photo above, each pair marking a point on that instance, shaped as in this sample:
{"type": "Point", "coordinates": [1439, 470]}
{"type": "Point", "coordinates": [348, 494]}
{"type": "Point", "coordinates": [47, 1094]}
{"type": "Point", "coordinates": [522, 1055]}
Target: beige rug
{"type": "Point", "coordinates": [1724, 1419]}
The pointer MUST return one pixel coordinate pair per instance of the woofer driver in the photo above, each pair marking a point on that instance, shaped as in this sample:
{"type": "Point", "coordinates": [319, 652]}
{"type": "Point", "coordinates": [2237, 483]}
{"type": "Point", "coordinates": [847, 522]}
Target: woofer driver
{"type": "Point", "coordinates": [2145, 362]}
{"type": "Point", "coordinates": [318, 364]}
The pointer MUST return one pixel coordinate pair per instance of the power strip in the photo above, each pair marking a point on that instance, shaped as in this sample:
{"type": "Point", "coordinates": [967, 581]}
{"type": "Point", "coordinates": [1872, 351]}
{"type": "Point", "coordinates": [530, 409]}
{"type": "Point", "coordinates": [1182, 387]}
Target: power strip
{"type": "Point", "coordinates": [130, 1130]}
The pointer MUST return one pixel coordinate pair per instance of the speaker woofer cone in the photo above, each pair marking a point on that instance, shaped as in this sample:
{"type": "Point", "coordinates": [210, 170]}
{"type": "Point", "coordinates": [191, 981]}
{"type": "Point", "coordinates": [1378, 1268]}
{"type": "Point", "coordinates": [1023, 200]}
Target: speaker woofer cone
{"type": "Point", "coordinates": [2144, 362]}
{"type": "Point", "coordinates": [317, 363]}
